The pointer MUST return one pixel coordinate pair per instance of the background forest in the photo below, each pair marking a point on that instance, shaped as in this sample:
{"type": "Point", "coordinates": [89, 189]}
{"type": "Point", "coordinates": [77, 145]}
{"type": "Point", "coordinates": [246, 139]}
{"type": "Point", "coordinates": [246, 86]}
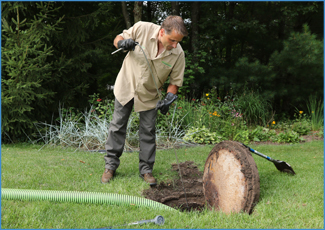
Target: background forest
{"type": "Point", "coordinates": [58, 55]}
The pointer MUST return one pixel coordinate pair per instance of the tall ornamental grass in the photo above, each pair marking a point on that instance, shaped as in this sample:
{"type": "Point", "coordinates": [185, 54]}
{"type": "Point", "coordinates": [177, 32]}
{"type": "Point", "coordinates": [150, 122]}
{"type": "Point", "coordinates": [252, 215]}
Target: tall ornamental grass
{"type": "Point", "coordinates": [88, 130]}
{"type": "Point", "coordinates": [316, 112]}
{"type": "Point", "coordinates": [256, 109]}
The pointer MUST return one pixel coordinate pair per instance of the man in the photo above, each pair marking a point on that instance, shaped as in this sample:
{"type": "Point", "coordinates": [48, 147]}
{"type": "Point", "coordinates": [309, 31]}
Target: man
{"type": "Point", "coordinates": [136, 87]}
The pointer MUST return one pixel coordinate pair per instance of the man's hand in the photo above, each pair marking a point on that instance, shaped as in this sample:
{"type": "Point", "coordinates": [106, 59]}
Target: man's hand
{"type": "Point", "coordinates": [127, 44]}
{"type": "Point", "coordinates": [164, 104]}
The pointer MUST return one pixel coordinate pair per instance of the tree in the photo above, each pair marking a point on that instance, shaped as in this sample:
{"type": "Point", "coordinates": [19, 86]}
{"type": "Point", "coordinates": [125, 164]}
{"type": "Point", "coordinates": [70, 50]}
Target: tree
{"type": "Point", "coordinates": [175, 7]}
{"type": "Point", "coordinates": [195, 6]}
{"type": "Point", "coordinates": [298, 69]}
{"type": "Point", "coordinates": [69, 61]}
{"type": "Point", "coordinates": [26, 67]}
{"type": "Point", "coordinates": [137, 11]}
{"type": "Point", "coordinates": [231, 44]}
{"type": "Point", "coordinates": [126, 15]}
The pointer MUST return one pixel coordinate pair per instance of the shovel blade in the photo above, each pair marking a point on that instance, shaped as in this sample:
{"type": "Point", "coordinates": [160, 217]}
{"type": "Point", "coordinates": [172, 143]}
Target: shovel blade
{"type": "Point", "coordinates": [284, 167]}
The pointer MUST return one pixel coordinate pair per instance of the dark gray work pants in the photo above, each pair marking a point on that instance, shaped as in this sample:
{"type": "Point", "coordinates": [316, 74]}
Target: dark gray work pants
{"type": "Point", "coordinates": [117, 133]}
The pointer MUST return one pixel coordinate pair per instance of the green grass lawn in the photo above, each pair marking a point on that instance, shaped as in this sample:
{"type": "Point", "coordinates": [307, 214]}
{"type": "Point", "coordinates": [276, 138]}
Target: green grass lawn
{"type": "Point", "coordinates": [285, 201]}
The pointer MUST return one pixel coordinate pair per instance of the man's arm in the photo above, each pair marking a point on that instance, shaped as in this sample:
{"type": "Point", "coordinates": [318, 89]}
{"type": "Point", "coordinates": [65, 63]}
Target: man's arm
{"type": "Point", "coordinates": [172, 89]}
{"type": "Point", "coordinates": [117, 39]}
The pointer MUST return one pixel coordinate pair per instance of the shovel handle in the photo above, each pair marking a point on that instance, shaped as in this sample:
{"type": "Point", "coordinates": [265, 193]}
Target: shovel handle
{"type": "Point", "coordinates": [258, 153]}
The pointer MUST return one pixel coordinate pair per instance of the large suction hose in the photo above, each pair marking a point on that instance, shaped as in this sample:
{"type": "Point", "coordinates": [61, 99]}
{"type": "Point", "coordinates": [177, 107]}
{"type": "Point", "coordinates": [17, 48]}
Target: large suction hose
{"type": "Point", "coordinates": [80, 197]}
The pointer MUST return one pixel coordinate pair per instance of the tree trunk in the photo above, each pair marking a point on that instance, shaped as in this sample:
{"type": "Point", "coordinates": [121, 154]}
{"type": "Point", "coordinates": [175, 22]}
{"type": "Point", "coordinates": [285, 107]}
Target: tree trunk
{"type": "Point", "coordinates": [229, 17]}
{"type": "Point", "coordinates": [148, 11]}
{"type": "Point", "coordinates": [126, 15]}
{"type": "Point", "coordinates": [175, 8]}
{"type": "Point", "coordinates": [137, 11]}
{"type": "Point", "coordinates": [195, 6]}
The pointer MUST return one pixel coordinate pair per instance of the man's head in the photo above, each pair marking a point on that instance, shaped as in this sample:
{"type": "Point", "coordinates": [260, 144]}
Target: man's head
{"type": "Point", "coordinates": [172, 32]}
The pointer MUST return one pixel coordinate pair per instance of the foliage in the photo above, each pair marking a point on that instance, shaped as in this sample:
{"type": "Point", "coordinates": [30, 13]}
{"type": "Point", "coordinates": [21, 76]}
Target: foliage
{"type": "Point", "coordinates": [26, 68]}
{"type": "Point", "coordinates": [262, 134]}
{"type": "Point", "coordinates": [202, 135]}
{"type": "Point", "coordinates": [255, 108]}
{"type": "Point", "coordinates": [288, 136]}
{"type": "Point", "coordinates": [48, 51]}
{"type": "Point", "coordinates": [301, 124]}
{"type": "Point", "coordinates": [262, 45]}
{"type": "Point", "coordinates": [193, 67]}
{"type": "Point", "coordinates": [101, 107]}
{"type": "Point", "coordinates": [316, 112]}
{"type": "Point", "coordinates": [298, 68]}
{"type": "Point", "coordinates": [85, 131]}
{"type": "Point", "coordinates": [206, 121]}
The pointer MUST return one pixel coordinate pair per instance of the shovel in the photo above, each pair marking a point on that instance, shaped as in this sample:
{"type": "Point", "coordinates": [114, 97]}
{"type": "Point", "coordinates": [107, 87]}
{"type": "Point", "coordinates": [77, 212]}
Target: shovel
{"type": "Point", "coordinates": [280, 165]}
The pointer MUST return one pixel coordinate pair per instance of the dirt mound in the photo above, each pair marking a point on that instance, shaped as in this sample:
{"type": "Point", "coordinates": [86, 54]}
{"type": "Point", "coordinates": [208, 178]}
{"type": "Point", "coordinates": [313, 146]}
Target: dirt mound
{"type": "Point", "coordinates": [171, 193]}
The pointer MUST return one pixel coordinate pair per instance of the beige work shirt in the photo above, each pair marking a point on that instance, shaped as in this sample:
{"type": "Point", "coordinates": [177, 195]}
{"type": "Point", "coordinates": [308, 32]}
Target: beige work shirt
{"type": "Point", "coordinates": [135, 80]}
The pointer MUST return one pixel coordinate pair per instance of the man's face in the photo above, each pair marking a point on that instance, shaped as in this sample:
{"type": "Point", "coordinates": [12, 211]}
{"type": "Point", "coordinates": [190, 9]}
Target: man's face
{"type": "Point", "coordinates": [171, 40]}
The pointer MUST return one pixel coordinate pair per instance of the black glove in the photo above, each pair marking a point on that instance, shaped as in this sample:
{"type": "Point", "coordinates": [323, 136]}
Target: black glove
{"type": "Point", "coordinates": [164, 104]}
{"type": "Point", "coordinates": [127, 44]}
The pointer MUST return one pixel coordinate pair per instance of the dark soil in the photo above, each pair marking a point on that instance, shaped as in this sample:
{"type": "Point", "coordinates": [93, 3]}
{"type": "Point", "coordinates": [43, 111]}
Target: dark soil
{"type": "Point", "coordinates": [172, 193]}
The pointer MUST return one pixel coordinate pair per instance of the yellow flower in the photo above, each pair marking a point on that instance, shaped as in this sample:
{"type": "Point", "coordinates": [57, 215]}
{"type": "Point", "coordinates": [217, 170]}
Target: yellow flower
{"type": "Point", "coordinates": [207, 94]}
{"type": "Point", "coordinates": [273, 123]}
{"type": "Point", "coordinates": [215, 113]}
{"type": "Point", "coordinates": [208, 98]}
{"type": "Point", "coordinates": [301, 112]}
{"type": "Point", "coordinates": [312, 111]}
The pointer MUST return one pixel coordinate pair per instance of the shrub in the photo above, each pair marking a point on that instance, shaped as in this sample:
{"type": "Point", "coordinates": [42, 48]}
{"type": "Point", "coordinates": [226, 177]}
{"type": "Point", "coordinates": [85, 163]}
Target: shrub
{"type": "Point", "coordinates": [288, 136]}
{"type": "Point", "coordinates": [202, 135]}
{"type": "Point", "coordinates": [301, 127]}
{"type": "Point", "coordinates": [261, 134]}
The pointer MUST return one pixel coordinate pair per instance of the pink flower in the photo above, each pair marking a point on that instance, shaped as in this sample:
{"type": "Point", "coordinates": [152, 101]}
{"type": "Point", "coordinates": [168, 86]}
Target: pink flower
{"type": "Point", "coordinates": [99, 99]}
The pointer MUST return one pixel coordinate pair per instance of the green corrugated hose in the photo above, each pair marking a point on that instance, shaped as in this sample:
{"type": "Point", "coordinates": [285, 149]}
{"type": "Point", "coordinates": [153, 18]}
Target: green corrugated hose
{"type": "Point", "coordinates": [80, 197]}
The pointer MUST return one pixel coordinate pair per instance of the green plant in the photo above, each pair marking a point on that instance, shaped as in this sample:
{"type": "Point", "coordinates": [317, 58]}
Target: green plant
{"type": "Point", "coordinates": [288, 136]}
{"type": "Point", "coordinates": [320, 133]}
{"type": "Point", "coordinates": [300, 60]}
{"type": "Point", "coordinates": [192, 66]}
{"type": "Point", "coordinates": [255, 108]}
{"type": "Point", "coordinates": [242, 136]}
{"type": "Point", "coordinates": [202, 136]}
{"type": "Point", "coordinates": [301, 124]}
{"type": "Point", "coordinates": [101, 107]}
{"type": "Point", "coordinates": [26, 67]}
{"type": "Point", "coordinates": [316, 112]}
{"type": "Point", "coordinates": [261, 134]}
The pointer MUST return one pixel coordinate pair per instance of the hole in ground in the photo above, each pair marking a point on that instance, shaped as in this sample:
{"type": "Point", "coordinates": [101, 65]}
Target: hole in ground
{"type": "Point", "coordinates": [172, 193]}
